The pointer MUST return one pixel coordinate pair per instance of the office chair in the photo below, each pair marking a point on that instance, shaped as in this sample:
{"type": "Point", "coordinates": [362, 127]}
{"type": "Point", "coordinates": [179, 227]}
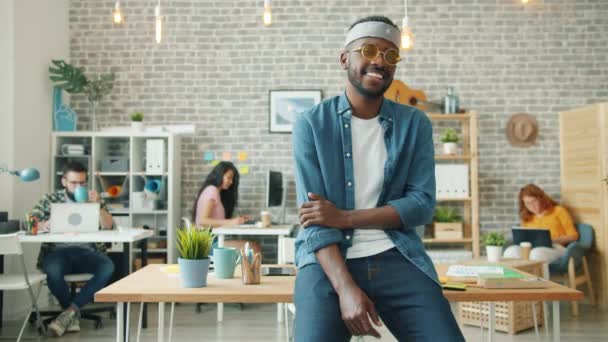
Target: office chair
{"type": "Point", "coordinates": [86, 313]}
{"type": "Point", "coordinates": [565, 268]}
{"type": "Point", "coordinates": [10, 245]}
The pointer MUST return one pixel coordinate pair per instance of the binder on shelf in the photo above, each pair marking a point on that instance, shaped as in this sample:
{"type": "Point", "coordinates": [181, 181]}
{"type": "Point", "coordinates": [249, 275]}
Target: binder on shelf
{"type": "Point", "coordinates": [452, 180]}
{"type": "Point", "coordinates": [155, 156]}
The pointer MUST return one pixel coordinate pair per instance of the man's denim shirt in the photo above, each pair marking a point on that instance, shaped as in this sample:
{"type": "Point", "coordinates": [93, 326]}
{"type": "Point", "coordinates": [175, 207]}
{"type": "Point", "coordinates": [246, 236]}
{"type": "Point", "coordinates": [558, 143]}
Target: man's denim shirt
{"type": "Point", "coordinates": [322, 143]}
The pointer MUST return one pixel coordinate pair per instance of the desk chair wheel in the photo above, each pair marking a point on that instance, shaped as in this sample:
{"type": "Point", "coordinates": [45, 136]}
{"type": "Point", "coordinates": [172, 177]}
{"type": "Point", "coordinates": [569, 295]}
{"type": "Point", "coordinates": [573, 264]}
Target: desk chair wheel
{"type": "Point", "coordinates": [98, 325]}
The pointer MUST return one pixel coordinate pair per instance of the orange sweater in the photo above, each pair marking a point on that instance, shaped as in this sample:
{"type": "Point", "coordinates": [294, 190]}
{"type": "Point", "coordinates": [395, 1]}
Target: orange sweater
{"type": "Point", "coordinates": [557, 220]}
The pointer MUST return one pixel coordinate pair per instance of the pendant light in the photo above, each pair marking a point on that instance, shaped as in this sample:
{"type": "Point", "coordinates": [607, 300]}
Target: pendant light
{"type": "Point", "coordinates": [407, 37]}
{"type": "Point", "coordinates": [159, 23]}
{"type": "Point", "coordinates": [267, 13]}
{"type": "Point", "coordinates": [117, 16]}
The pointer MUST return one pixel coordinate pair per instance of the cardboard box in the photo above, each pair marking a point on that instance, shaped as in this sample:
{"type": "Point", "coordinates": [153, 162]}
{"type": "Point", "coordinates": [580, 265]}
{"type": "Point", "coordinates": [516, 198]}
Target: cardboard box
{"type": "Point", "coordinates": [445, 230]}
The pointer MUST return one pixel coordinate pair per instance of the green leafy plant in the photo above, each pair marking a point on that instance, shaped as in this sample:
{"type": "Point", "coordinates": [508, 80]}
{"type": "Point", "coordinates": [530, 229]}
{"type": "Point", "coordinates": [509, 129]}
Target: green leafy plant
{"type": "Point", "coordinates": [445, 215]}
{"type": "Point", "coordinates": [494, 239]}
{"type": "Point", "coordinates": [74, 81]}
{"type": "Point", "coordinates": [194, 243]}
{"type": "Point", "coordinates": [449, 136]}
{"type": "Point", "coordinates": [137, 116]}
{"type": "Point", "coordinates": [98, 88]}
{"type": "Point", "coordinates": [67, 77]}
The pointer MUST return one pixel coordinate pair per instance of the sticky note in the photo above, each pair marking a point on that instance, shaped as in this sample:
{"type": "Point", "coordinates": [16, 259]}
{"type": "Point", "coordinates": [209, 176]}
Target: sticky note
{"type": "Point", "coordinates": [208, 156]}
{"type": "Point", "coordinates": [215, 162]}
{"type": "Point", "coordinates": [244, 169]}
{"type": "Point", "coordinates": [226, 156]}
{"type": "Point", "coordinates": [242, 155]}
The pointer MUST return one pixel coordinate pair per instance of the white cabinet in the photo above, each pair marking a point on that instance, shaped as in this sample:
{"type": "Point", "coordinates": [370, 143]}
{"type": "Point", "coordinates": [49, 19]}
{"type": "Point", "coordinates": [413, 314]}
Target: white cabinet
{"type": "Point", "coordinates": [121, 165]}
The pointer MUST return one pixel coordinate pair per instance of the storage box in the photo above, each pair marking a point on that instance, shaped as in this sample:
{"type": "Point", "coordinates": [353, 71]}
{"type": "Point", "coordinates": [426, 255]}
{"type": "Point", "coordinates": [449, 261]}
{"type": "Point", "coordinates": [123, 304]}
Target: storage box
{"type": "Point", "coordinates": [448, 230]}
{"type": "Point", "coordinates": [114, 164]}
{"type": "Point", "coordinates": [511, 317]}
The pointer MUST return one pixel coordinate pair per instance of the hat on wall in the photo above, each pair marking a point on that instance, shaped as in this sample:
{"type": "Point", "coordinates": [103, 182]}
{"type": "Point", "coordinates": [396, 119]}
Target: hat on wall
{"type": "Point", "coordinates": [522, 130]}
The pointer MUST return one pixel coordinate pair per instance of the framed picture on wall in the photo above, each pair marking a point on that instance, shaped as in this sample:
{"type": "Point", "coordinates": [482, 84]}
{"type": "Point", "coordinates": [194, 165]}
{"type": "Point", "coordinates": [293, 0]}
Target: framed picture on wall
{"type": "Point", "coordinates": [285, 105]}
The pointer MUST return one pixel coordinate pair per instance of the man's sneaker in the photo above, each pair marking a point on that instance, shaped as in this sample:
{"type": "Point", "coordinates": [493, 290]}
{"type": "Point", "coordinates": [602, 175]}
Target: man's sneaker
{"type": "Point", "coordinates": [74, 325]}
{"type": "Point", "coordinates": [59, 325]}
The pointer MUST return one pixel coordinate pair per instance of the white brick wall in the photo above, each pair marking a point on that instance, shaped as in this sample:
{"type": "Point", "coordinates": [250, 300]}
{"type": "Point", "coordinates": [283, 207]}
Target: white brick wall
{"type": "Point", "coordinates": [217, 63]}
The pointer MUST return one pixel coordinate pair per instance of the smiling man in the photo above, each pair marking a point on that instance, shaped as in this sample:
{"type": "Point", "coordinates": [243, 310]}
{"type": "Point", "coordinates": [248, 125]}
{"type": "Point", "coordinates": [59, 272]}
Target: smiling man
{"type": "Point", "coordinates": [365, 174]}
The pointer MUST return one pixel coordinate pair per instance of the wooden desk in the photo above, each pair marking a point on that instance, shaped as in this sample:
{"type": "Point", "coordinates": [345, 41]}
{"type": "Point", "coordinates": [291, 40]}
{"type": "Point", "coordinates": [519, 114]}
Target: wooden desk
{"type": "Point", "coordinates": [126, 236]}
{"type": "Point", "coordinates": [280, 231]}
{"type": "Point", "coordinates": [554, 293]}
{"type": "Point", "coordinates": [150, 284]}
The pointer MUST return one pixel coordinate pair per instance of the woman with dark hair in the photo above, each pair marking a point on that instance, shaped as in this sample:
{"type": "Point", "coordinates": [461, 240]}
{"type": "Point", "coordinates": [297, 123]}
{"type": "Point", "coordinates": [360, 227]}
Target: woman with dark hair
{"type": "Point", "coordinates": [217, 198]}
{"type": "Point", "coordinates": [538, 210]}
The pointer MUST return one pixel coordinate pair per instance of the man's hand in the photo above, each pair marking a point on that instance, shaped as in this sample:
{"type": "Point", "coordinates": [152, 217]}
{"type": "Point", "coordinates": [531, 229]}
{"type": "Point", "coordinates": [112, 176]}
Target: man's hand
{"type": "Point", "coordinates": [322, 212]}
{"type": "Point", "coordinates": [93, 196]}
{"type": "Point", "coordinates": [357, 309]}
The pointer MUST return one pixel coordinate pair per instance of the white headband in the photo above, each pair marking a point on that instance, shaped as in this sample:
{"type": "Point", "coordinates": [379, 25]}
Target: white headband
{"type": "Point", "coordinates": [376, 29]}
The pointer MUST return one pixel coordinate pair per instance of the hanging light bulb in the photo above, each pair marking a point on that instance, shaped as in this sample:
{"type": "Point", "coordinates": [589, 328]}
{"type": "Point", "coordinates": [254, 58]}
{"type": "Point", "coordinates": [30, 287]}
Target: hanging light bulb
{"type": "Point", "coordinates": [407, 37]}
{"type": "Point", "coordinates": [117, 13]}
{"type": "Point", "coordinates": [159, 23]}
{"type": "Point", "coordinates": [524, 1]}
{"type": "Point", "coordinates": [267, 13]}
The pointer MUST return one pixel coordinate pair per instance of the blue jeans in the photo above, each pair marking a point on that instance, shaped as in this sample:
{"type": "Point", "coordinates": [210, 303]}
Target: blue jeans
{"type": "Point", "coordinates": [70, 260]}
{"type": "Point", "coordinates": [410, 304]}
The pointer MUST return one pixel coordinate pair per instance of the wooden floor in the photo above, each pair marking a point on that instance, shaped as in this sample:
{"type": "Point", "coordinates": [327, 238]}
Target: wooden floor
{"type": "Point", "coordinates": [258, 323]}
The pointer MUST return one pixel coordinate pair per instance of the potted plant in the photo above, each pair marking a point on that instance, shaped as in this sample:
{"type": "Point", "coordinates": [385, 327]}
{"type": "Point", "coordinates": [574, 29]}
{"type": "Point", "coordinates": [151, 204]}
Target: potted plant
{"type": "Point", "coordinates": [137, 121]}
{"type": "Point", "coordinates": [494, 242]}
{"type": "Point", "coordinates": [73, 80]}
{"type": "Point", "coordinates": [447, 223]}
{"type": "Point", "coordinates": [194, 246]}
{"type": "Point", "coordinates": [449, 138]}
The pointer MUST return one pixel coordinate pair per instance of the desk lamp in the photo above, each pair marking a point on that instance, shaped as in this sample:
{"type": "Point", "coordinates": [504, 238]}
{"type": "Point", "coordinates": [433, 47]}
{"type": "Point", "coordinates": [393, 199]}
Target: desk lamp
{"type": "Point", "coordinates": [29, 174]}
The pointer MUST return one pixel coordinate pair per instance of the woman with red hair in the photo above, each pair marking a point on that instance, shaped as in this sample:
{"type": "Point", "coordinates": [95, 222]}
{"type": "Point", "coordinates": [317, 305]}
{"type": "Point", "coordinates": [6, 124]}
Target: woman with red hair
{"type": "Point", "coordinates": [537, 210]}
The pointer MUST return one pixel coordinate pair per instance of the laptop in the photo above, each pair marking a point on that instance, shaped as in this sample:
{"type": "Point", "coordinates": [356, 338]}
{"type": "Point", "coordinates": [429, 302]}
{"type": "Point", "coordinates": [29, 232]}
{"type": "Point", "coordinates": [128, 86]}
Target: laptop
{"type": "Point", "coordinates": [538, 237]}
{"type": "Point", "coordinates": [74, 218]}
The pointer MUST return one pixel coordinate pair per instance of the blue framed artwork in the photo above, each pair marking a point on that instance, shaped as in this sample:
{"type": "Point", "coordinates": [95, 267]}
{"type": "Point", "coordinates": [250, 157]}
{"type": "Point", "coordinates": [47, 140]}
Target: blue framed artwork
{"type": "Point", "coordinates": [285, 105]}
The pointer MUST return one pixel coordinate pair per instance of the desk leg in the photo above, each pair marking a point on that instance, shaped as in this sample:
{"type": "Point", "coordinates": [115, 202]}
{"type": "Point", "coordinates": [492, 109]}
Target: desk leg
{"type": "Point", "coordinates": [120, 337]}
{"type": "Point", "coordinates": [491, 320]}
{"type": "Point", "coordinates": [127, 311]}
{"type": "Point", "coordinates": [220, 306]}
{"type": "Point", "coordinates": [280, 260]}
{"type": "Point", "coordinates": [161, 322]}
{"type": "Point", "coordinates": [144, 262]}
{"type": "Point", "coordinates": [556, 332]}
{"type": "Point", "coordinates": [125, 259]}
{"type": "Point", "coordinates": [1, 292]}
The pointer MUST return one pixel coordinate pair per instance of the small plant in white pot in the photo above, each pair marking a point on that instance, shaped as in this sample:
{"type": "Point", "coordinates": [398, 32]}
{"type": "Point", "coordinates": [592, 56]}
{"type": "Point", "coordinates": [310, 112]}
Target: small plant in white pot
{"type": "Point", "coordinates": [137, 121]}
{"type": "Point", "coordinates": [449, 138]}
{"type": "Point", "coordinates": [494, 242]}
{"type": "Point", "coordinates": [194, 246]}
{"type": "Point", "coordinates": [447, 224]}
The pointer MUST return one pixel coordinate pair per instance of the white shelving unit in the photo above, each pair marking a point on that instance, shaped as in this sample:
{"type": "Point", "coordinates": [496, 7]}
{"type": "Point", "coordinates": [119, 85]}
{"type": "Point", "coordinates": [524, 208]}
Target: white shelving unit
{"type": "Point", "coordinates": [131, 176]}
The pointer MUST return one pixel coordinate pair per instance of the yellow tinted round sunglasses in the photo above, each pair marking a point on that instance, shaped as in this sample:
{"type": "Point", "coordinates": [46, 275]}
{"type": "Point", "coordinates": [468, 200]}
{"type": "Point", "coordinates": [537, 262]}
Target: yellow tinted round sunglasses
{"type": "Point", "coordinates": [370, 51]}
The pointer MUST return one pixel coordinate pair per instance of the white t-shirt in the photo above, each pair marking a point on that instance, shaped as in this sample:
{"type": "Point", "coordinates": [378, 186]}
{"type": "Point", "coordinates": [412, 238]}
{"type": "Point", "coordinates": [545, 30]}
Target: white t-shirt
{"type": "Point", "coordinates": [369, 156]}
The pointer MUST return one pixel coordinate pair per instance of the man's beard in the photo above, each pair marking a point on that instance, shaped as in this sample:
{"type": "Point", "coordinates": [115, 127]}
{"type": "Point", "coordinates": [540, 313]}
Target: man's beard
{"type": "Point", "coordinates": [70, 195]}
{"type": "Point", "coordinates": [370, 94]}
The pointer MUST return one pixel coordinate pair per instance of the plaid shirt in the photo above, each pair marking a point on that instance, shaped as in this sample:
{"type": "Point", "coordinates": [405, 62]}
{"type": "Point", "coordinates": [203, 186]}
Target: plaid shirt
{"type": "Point", "coordinates": [42, 212]}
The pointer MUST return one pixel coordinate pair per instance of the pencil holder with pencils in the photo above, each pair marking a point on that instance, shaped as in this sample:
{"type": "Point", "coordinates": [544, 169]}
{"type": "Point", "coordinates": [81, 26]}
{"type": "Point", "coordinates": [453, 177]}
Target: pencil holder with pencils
{"type": "Point", "coordinates": [251, 266]}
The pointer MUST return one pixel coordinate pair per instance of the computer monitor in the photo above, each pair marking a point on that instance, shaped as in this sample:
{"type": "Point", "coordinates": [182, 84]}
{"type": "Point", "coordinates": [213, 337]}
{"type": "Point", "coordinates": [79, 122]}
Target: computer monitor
{"type": "Point", "coordinates": [274, 191]}
{"type": "Point", "coordinates": [275, 195]}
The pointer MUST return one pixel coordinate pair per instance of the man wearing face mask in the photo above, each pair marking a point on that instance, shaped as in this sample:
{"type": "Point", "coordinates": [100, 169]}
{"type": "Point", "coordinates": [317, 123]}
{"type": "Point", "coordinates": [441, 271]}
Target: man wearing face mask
{"type": "Point", "coordinates": [58, 259]}
{"type": "Point", "coordinates": [365, 176]}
